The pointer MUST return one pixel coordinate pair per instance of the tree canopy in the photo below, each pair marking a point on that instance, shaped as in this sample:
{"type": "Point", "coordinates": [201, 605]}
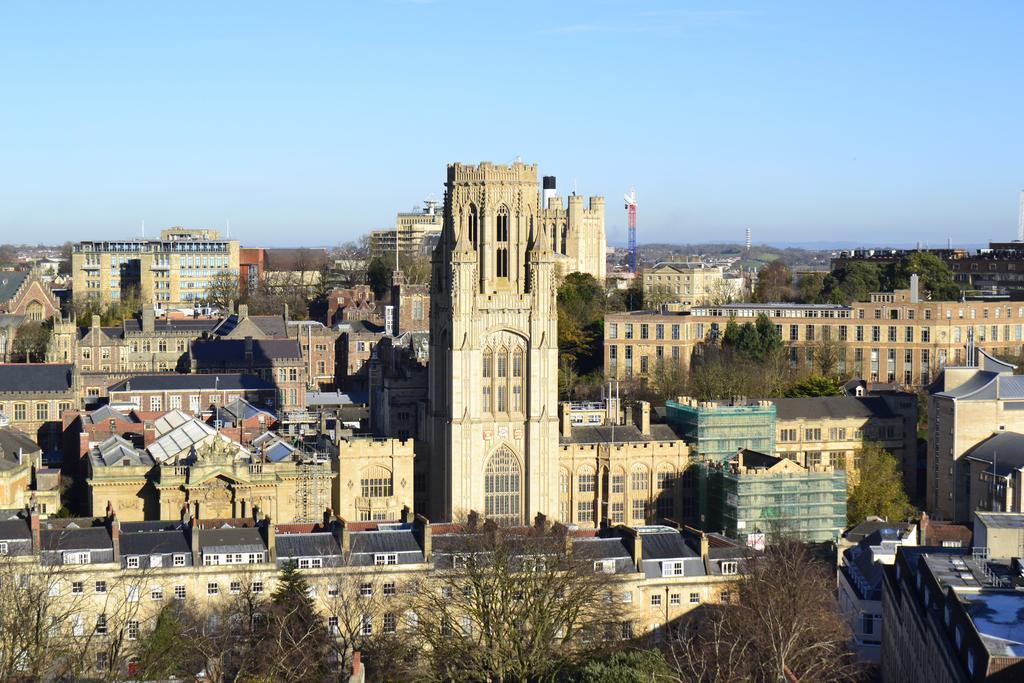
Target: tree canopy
{"type": "Point", "coordinates": [774, 283]}
{"type": "Point", "coordinates": [879, 487]}
{"type": "Point", "coordinates": [813, 386]}
{"type": "Point", "coordinates": [857, 279]}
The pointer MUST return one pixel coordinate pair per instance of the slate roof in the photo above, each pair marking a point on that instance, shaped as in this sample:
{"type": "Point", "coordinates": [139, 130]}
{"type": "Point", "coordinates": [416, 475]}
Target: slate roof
{"type": "Point", "coordinates": [175, 325]}
{"type": "Point", "coordinates": [667, 545]}
{"type": "Point", "coordinates": [1004, 452]}
{"type": "Point", "coordinates": [178, 382]}
{"type": "Point", "coordinates": [361, 327]}
{"type": "Point", "coordinates": [14, 529]}
{"type": "Point", "coordinates": [246, 540]}
{"type": "Point", "coordinates": [36, 377]}
{"type": "Point", "coordinates": [757, 459]}
{"type": "Point", "coordinates": [600, 548]}
{"type": "Point", "coordinates": [270, 325]}
{"type": "Point", "coordinates": [585, 434]}
{"type": "Point", "coordinates": [833, 407]}
{"type": "Point", "coordinates": [90, 538]}
{"type": "Point", "coordinates": [154, 543]}
{"type": "Point", "coordinates": [10, 282]}
{"type": "Point", "coordinates": [869, 526]}
{"type": "Point", "coordinates": [104, 414]}
{"type": "Point", "coordinates": [11, 320]}
{"type": "Point", "coordinates": [307, 545]}
{"type": "Point", "coordinates": [12, 441]}
{"type": "Point", "coordinates": [232, 351]}
{"type": "Point", "coordinates": [399, 541]}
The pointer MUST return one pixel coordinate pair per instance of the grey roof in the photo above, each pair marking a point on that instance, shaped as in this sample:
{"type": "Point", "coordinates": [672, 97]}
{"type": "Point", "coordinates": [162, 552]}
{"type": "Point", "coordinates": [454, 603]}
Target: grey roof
{"type": "Point", "coordinates": [1001, 520]}
{"type": "Point", "coordinates": [13, 441]}
{"type": "Point", "coordinates": [870, 526]}
{"type": "Point", "coordinates": [826, 407]}
{"type": "Point", "coordinates": [14, 529]}
{"type": "Point", "coordinates": [241, 410]}
{"type": "Point", "coordinates": [398, 541]}
{"type": "Point", "coordinates": [361, 327]}
{"type": "Point", "coordinates": [1004, 451]}
{"type": "Point", "coordinates": [246, 540]}
{"type": "Point", "coordinates": [104, 414]}
{"type": "Point", "coordinates": [11, 320]}
{"type": "Point", "coordinates": [665, 546]}
{"type": "Point", "coordinates": [998, 618]}
{"type": "Point", "coordinates": [154, 543]}
{"type": "Point", "coordinates": [176, 325]}
{"type": "Point", "coordinates": [116, 450]}
{"type": "Point", "coordinates": [91, 538]}
{"type": "Point", "coordinates": [29, 377]}
{"type": "Point", "coordinates": [987, 385]}
{"type": "Point", "coordinates": [584, 434]}
{"type": "Point", "coordinates": [270, 325]}
{"type": "Point", "coordinates": [232, 351]}
{"type": "Point", "coordinates": [10, 282]}
{"type": "Point", "coordinates": [307, 545]}
{"type": "Point", "coordinates": [593, 548]}
{"type": "Point", "coordinates": [177, 382]}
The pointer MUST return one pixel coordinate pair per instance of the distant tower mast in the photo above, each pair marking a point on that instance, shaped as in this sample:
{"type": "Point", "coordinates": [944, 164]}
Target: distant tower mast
{"type": "Point", "coordinates": [631, 226]}
{"type": "Point", "coordinates": [1020, 219]}
{"type": "Point", "coordinates": [748, 240]}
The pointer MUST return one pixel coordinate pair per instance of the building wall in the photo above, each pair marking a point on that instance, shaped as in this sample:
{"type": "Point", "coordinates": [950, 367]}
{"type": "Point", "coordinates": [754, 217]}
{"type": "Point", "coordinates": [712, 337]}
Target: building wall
{"type": "Point", "coordinates": [362, 466]}
{"type": "Point", "coordinates": [171, 272]}
{"type": "Point", "coordinates": [919, 337]}
{"type": "Point", "coordinates": [684, 284]}
{"type": "Point", "coordinates": [37, 414]}
{"type": "Point", "coordinates": [577, 235]}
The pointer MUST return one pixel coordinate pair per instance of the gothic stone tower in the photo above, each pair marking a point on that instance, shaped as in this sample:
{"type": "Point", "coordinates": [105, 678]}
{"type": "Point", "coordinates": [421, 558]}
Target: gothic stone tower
{"type": "Point", "coordinates": [493, 423]}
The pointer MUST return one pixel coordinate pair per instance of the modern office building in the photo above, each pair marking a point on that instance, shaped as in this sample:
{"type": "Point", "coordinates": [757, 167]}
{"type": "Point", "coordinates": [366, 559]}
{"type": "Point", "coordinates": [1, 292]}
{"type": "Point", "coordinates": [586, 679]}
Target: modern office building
{"type": "Point", "coordinates": [173, 271]}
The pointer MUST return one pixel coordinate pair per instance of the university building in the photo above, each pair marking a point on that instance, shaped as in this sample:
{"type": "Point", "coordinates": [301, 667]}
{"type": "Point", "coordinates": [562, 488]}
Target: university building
{"type": "Point", "coordinates": [896, 337]}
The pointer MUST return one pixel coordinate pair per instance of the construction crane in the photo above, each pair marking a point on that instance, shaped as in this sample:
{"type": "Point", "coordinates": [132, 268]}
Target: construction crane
{"type": "Point", "coordinates": [631, 225]}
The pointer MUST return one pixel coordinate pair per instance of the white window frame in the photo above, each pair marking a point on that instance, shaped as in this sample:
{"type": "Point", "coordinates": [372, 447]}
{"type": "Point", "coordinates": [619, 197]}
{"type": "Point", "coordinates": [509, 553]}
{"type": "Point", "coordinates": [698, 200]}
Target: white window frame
{"type": "Point", "coordinates": [4, 548]}
{"type": "Point", "coordinates": [385, 559]}
{"type": "Point", "coordinates": [179, 560]}
{"type": "Point", "coordinates": [132, 562]}
{"type": "Point", "coordinates": [180, 591]}
{"type": "Point", "coordinates": [604, 567]}
{"type": "Point", "coordinates": [729, 567]}
{"type": "Point", "coordinates": [77, 557]}
{"type": "Point", "coordinates": [673, 568]}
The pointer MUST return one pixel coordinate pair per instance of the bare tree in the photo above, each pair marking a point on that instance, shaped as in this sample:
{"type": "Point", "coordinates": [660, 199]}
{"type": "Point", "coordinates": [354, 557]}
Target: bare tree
{"type": "Point", "coordinates": [785, 620]}
{"type": "Point", "coordinates": [222, 290]}
{"type": "Point", "coordinates": [512, 607]}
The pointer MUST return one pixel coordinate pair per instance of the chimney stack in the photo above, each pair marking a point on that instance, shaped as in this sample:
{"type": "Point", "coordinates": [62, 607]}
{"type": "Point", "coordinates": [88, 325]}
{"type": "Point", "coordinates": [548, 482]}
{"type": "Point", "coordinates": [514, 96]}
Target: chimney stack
{"type": "Point", "coordinates": [642, 417]}
{"type": "Point", "coordinates": [422, 530]}
{"type": "Point", "coordinates": [95, 321]}
{"type": "Point", "coordinates": [33, 525]}
{"type": "Point", "coordinates": [565, 418]}
{"type": "Point", "coordinates": [148, 319]}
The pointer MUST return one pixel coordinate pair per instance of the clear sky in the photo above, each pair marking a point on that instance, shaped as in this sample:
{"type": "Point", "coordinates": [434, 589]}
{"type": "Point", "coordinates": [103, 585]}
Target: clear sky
{"type": "Point", "coordinates": [310, 123]}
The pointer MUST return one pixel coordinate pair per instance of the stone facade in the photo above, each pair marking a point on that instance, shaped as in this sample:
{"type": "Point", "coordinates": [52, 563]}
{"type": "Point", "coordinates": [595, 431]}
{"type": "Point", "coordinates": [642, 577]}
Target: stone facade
{"type": "Point", "coordinates": [25, 293]}
{"type": "Point", "coordinates": [684, 285]}
{"type": "Point", "coordinates": [894, 338]}
{"type": "Point", "coordinates": [493, 434]}
{"type": "Point", "coordinates": [576, 234]}
{"type": "Point", "coordinates": [373, 478]}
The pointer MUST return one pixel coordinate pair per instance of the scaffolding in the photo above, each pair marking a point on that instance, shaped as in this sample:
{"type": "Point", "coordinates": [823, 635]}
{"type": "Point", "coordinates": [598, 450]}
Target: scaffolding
{"type": "Point", "coordinates": [313, 488]}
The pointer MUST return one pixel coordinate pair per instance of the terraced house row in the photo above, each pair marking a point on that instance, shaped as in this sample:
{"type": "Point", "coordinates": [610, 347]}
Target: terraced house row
{"type": "Point", "coordinates": [112, 579]}
{"type": "Point", "coordinates": [896, 337]}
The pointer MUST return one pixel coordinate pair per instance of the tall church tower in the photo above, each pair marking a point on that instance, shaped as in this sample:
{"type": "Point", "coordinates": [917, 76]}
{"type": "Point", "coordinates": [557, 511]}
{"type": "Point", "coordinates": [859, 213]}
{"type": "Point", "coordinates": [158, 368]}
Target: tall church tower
{"type": "Point", "coordinates": [493, 371]}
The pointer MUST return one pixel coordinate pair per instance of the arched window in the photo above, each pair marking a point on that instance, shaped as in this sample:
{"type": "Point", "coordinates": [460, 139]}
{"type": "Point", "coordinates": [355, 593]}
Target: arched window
{"type": "Point", "coordinates": [35, 311]}
{"type": "Point", "coordinates": [586, 479]}
{"type": "Point", "coordinates": [501, 240]}
{"type": "Point", "coordinates": [474, 223]}
{"type": "Point", "coordinates": [375, 482]}
{"type": "Point", "coordinates": [517, 381]}
{"type": "Point", "coordinates": [502, 488]}
{"type": "Point", "coordinates": [554, 237]}
{"type": "Point", "coordinates": [641, 479]}
{"type": "Point", "coordinates": [666, 476]}
{"type": "Point", "coordinates": [488, 372]}
{"type": "Point", "coordinates": [565, 235]}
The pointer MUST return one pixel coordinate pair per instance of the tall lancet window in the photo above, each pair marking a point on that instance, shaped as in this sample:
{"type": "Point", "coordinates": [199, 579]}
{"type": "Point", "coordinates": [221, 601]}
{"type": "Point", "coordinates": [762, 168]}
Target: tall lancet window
{"type": "Point", "coordinates": [502, 488]}
{"type": "Point", "coordinates": [517, 381]}
{"type": "Point", "coordinates": [488, 373]}
{"type": "Point", "coordinates": [501, 240]}
{"type": "Point", "coordinates": [472, 226]}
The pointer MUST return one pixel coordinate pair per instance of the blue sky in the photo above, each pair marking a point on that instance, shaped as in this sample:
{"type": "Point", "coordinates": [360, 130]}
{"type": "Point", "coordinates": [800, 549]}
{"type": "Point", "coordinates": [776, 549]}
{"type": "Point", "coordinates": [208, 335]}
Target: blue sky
{"type": "Point", "coordinates": [310, 123]}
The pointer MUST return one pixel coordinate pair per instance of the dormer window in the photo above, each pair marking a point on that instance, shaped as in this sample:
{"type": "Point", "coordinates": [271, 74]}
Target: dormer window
{"type": "Point", "coordinates": [77, 557]}
{"type": "Point", "coordinates": [729, 568]}
{"type": "Point", "coordinates": [384, 559]}
{"type": "Point", "coordinates": [673, 568]}
{"type": "Point", "coordinates": [604, 567]}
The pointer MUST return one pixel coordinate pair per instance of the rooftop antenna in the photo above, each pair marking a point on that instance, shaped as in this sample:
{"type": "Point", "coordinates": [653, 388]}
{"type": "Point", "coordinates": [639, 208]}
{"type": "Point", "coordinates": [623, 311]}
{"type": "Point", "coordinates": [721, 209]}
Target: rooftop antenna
{"type": "Point", "coordinates": [1020, 219]}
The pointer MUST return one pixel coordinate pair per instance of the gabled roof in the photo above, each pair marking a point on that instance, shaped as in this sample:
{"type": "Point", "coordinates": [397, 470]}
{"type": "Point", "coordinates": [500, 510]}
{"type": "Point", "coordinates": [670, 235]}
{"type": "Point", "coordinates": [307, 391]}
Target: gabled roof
{"type": "Point", "coordinates": [10, 283]}
{"type": "Point", "coordinates": [104, 414]}
{"type": "Point", "coordinates": [240, 410]}
{"type": "Point", "coordinates": [118, 451]}
{"type": "Point", "coordinates": [41, 377]}
{"type": "Point", "coordinates": [667, 545]}
{"type": "Point", "coordinates": [170, 420]}
{"type": "Point", "coordinates": [180, 440]}
{"type": "Point", "coordinates": [265, 325]}
{"type": "Point", "coordinates": [68, 538]}
{"type": "Point", "coordinates": [14, 441]}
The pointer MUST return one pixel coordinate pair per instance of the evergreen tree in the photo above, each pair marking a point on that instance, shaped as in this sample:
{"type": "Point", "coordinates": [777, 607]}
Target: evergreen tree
{"type": "Point", "coordinates": [299, 638]}
{"type": "Point", "coordinates": [815, 385]}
